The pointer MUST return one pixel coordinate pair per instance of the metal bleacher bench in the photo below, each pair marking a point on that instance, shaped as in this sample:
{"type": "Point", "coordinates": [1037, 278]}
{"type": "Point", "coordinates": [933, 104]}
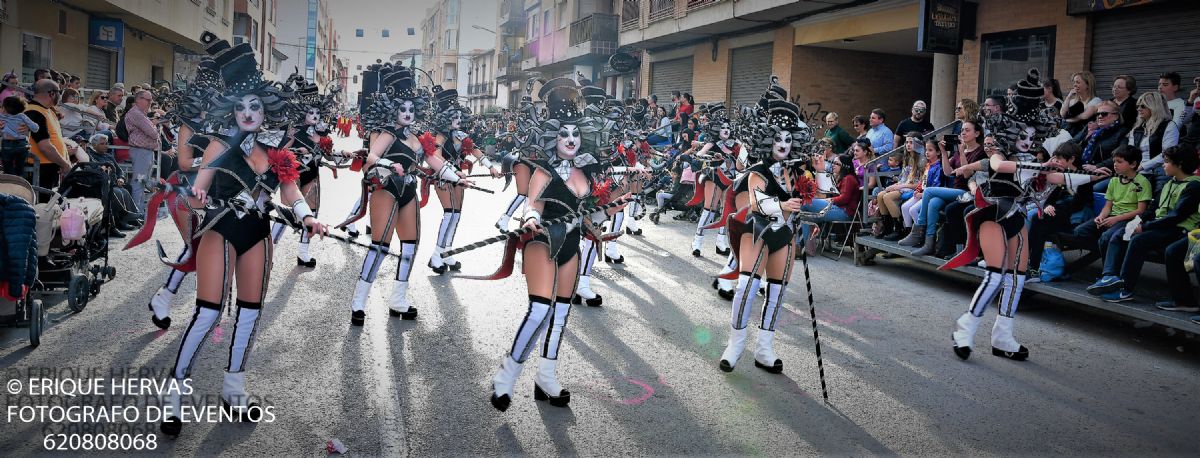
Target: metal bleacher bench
{"type": "Point", "coordinates": [1072, 291]}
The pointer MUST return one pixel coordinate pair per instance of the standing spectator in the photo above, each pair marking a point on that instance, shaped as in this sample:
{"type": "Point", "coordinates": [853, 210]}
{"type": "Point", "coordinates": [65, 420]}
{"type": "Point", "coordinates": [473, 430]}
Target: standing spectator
{"type": "Point", "coordinates": [966, 109]}
{"type": "Point", "coordinates": [993, 105]}
{"type": "Point", "coordinates": [1152, 133]}
{"type": "Point", "coordinates": [1081, 102]}
{"type": "Point", "coordinates": [1053, 95]}
{"type": "Point", "coordinates": [914, 124]}
{"type": "Point", "coordinates": [838, 137]}
{"type": "Point", "coordinates": [1168, 86]}
{"type": "Point", "coordinates": [10, 86]}
{"type": "Point", "coordinates": [40, 74]}
{"type": "Point", "coordinates": [859, 123]}
{"type": "Point", "coordinates": [1123, 89]}
{"type": "Point", "coordinates": [73, 82]}
{"type": "Point", "coordinates": [116, 99]}
{"type": "Point", "coordinates": [882, 139]}
{"type": "Point", "coordinates": [1176, 216]}
{"type": "Point", "coordinates": [47, 142]}
{"type": "Point", "coordinates": [143, 141]}
{"type": "Point", "coordinates": [14, 146]}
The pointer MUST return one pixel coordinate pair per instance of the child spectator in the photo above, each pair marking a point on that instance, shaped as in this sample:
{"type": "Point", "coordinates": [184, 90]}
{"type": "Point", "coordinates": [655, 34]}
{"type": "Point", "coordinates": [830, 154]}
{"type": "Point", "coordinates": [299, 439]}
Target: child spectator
{"type": "Point", "coordinates": [1127, 196]}
{"type": "Point", "coordinates": [1056, 215]}
{"type": "Point", "coordinates": [1176, 216]}
{"type": "Point", "coordinates": [14, 147]}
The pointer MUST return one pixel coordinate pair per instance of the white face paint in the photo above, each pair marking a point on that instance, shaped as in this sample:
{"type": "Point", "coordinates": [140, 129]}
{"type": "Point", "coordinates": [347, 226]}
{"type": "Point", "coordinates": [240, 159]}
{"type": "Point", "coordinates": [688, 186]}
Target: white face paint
{"type": "Point", "coordinates": [1025, 141]}
{"type": "Point", "coordinates": [782, 146]}
{"type": "Point", "coordinates": [312, 117]}
{"type": "Point", "coordinates": [568, 141]}
{"type": "Point", "coordinates": [456, 120]}
{"type": "Point", "coordinates": [406, 113]}
{"type": "Point", "coordinates": [725, 131]}
{"type": "Point", "coordinates": [249, 112]}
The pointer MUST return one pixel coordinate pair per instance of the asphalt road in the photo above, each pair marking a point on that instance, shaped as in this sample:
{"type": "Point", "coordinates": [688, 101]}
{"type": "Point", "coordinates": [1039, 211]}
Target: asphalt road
{"type": "Point", "coordinates": [642, 368]}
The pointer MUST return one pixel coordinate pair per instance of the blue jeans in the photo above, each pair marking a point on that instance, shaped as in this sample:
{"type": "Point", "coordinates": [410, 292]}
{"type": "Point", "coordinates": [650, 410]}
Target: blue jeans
{"type": "Point", "coordinates": [932, 201]}
{"type": "Point", "coordinates": [143, 162]}
{"type": "Point", "coordinates": [834, 214]}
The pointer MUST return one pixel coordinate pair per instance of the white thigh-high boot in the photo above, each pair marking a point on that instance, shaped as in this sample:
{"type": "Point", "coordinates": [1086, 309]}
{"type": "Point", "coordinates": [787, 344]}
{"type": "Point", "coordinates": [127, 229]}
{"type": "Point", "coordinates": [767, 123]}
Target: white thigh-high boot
{"type": "Point", "coordinates": [366, 276]}
{"type": "Point", "coordinates": [725, 287]}
{"type": "Point", "coordinates": [612, 253]}
{"type": "Point", "coordinates": [968, 323]}
{"type": "Point", "coordinates": [510, 367]}
{"type": "Point", "coordinates": [545, 385]}
{"type": "Point", "coordinates": [583, 290]}
{"type": "Point", "coordinates": [435, 261]}
{"type": "Point", "coordinates": [698, 241]}
{"type": "Point", "coordinates": [204, 318]}
{"type": "Point", "coordinates": [277, 232]}
{"type": "Point", "coordinates": [764, 353]}
{"type": "Point", "coordinates": [399, 305]}
{"type": "Point", "coordinates": [233, 391]}
{"type": "Point", "coordinates": [507, 217]}
{"type": "Point", "coordinates": [743, 298]}
{"type": "Point", "coordinates": [722, 239]}
{"type": "Point", "coordinates": [1003, 342]}
{"type": "Point", "coordinates": [160, 304]}
{"type": "Point", "coordinates": [631, 220]}
{"type": "Point", "coordinates": [303, 255]}
{"type": "Point", "coordinates": [455, 217]}
{"type": "Point", "coordinates": [352, 229]}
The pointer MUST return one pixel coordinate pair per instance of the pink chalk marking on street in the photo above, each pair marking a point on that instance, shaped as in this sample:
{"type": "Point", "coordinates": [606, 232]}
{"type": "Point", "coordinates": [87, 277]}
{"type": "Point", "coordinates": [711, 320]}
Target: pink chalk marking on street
{"type": "Point", "coordinates": [217, 334]}
{"type": "Point", "coordinates": [647, 392]}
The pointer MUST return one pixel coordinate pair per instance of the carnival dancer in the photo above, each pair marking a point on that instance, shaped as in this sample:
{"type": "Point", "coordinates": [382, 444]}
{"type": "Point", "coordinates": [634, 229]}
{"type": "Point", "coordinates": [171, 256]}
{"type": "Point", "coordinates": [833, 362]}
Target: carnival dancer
{"type": "Point", "coordinates": [1009, 182]}
{"type": "Point", "coordinates": [191, 106]}
{"type": "Point", "coordinates": [764, 241]}
{"type": "Point", "coordinates": [310, 143]}
{"type": "Point", "coordinates": [240, 173]}
{"type": "Point", "coordinates": [722, 157]}
{"type": "Point", "coordinates": [454, 146]}
{"type": "Point", "coordinates": [566, 181]}
{"type": "Point", "coordinates": [512, 164]}
{"type": "Point", "coordinates": [390, 185]}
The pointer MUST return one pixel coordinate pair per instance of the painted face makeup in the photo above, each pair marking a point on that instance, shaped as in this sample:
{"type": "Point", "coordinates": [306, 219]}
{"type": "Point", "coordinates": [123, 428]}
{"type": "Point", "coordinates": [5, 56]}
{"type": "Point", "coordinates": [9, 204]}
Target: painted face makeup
{"type": "Point", "coordinates": [250, 113]}
{"type": "Point", "coordinates": [406, 113]}
{"type": "Point", "coordinates": [725, 131]}
{"type": "Point", "coordinates": [782, 146]}
{"type": "Point", "coordinates": [312, 117]}
{"type": "Point", "coordinates": [1025, 140]}
{"type": "Point", "coordinates": [456, 120]}
{"type": "Point", "coordinates": [568, 141]}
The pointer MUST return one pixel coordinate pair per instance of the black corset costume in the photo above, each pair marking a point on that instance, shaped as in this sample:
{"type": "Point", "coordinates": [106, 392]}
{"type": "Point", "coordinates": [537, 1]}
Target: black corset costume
{"type": "Point", "coordinates": [310, 162]}
{"type": "Point", "coordinates": [454, 154]}
{"type": "Point", "coordinates": [199, 142]}
{"type": "Point", "coordinates": [726, 166]}
{"type": "Point", "coordinates": [235, 181]}
{"type": "Point", "coordinates": [563, 238]}
{"type": "Point", "coordinates": [1008, 197]}
{"type": "Point", "coordinates": [403, 188]}
{"type": "Point", "coordinates": [760, 224]}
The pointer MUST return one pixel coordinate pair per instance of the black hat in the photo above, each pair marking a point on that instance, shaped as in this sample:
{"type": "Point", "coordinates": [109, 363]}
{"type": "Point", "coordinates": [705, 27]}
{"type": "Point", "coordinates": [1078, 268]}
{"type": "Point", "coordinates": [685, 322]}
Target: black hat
{"type": "Point", "coordinates": [398, 80]}
{"type": "Point", "coordinates": [447, 100]}
{"type": "Point", "coordinates": [774, 92]}
{"type": "Point", "coordinates": [783, 114]}
{"type": "Point", "coordinates": [592, 95]}
{"type": "Point", "coordinates": [561, 96]}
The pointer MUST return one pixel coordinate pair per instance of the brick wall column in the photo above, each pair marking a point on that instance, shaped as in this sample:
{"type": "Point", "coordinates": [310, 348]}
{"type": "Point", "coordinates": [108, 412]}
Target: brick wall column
{"type": "Point", "coordinates": [782, 55]}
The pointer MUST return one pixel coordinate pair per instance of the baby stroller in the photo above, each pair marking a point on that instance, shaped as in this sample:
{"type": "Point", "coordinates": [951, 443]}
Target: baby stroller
{"type": "Point", "coordinates": [76, 267]}
{"type": "Point", "coordinates": [25, 311]}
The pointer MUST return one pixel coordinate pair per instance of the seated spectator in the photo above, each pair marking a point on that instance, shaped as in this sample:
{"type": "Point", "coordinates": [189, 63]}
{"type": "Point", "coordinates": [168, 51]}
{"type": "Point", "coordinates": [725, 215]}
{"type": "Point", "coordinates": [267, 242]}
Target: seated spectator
{"type": "Point", "coordinates": [842, 207]}
{"type": "Point", "coordinates": [1176, 216]}
{"type": "Point", "coordinates": [1128, 195]}
{"type": "Point", "coordinates": [859, 123]}
{"type": "Point", "coordinates": [863, 153]}
{"type": "Point", "coordinates": [1168, 86]}
{"type": "Point", "coordinates": [882, 138]}
{"type": "Point", "coordinates": [888, 201]}
{"type": "Point", "coordinates": [892, 164]}
{"type": "Point", "coordinates": [933, 178]}
{"type": "Point", "coordinates": [1081, 103]}
{"type": "Point", "coordinates": [1123, 89]}
{"type": "Point", "coordinates": [124, 212]}
{"type": "Point", "coordinates": [933, 199]}
{"type": "Point", "coordinates": [1101, 138]}
{"type": "Point", "coordinates": [1153, 133]}
{"type": "Point", "coordinates": [1060, 206]}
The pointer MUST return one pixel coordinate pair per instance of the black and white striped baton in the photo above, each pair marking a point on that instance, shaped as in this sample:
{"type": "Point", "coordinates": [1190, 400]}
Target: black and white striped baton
{"type": "Point", "coordinates": [522, 231]}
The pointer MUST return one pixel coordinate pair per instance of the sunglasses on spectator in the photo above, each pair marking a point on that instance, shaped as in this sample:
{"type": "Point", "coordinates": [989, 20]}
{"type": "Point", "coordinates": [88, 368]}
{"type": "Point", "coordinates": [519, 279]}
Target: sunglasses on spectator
{"type": "Point", "coordinates": [1101, 114]}
{"type": "Point", "coordinates": [1143, 107]}
{"type": "Point", "coordinates": [958, 108]}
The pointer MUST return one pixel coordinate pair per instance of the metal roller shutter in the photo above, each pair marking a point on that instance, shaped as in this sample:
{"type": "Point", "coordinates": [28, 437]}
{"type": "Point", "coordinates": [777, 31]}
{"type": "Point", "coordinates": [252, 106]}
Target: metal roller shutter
{"type": "Point", "coordinates": [750, 74]}
{"type": "Point", "coordinates": [671, 75]}
{"type": "Point", "coordinates": [1144, 42]}
{"type": "Point", "coordinates": [99, 69]}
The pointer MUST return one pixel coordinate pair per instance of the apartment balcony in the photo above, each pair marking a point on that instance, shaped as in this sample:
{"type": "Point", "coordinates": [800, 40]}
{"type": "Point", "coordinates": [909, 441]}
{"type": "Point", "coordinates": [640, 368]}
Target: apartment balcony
{"type": "Point", "coordinates": [512, 13]}
{"type": "Point", "coordinates": [529, 55]}
{"type": "Point", "coordinates": [509, 72]}
{"type": "Point", "coordinates": [595, 34]}
{"type": "Point", "coordinates": [481, 90]}
{"type": "Point", "coordinates": [669, 22]}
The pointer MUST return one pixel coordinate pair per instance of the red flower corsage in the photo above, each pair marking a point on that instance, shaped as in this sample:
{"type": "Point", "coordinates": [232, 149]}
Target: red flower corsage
{"type": "Point", "coordinates": [805, 188]}
{"type": "Point", "coordinates": [284, 164]}
{"type": "Point", "coordinates": [602, 191]}
{"type": "Point", "coordinates": [428, 144]}
{"type": "Point", "coordinates": [326, 145]}
{"type": "Point", "coordinates": [468, 145]}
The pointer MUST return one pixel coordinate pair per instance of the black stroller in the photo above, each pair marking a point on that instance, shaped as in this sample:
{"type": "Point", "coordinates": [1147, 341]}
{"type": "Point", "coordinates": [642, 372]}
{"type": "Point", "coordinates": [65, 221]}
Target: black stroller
{"type": "Point", "coordinates": [79, 267]}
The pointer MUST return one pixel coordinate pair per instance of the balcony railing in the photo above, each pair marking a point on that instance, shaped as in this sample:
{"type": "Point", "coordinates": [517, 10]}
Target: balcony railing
{"type": "Point", "coordinates": [481, 89]}
{"type": "Point", "coordinates": [661, 9]}
{"type": "Point", "coordinates": [530, 50]}
{"type": "Point", "coordinates": [509, 70]}
{"type": "Point", "coordinates": [697, 4]}
{"type": "Point", "coordinates": [631, 14]}
{"type": "Point", "coordinates": [597, 28]}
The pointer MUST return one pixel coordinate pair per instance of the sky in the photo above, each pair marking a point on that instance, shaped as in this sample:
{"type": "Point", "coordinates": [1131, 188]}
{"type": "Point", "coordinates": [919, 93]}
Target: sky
{"type": "Point", "coordinates": [397, 16]}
